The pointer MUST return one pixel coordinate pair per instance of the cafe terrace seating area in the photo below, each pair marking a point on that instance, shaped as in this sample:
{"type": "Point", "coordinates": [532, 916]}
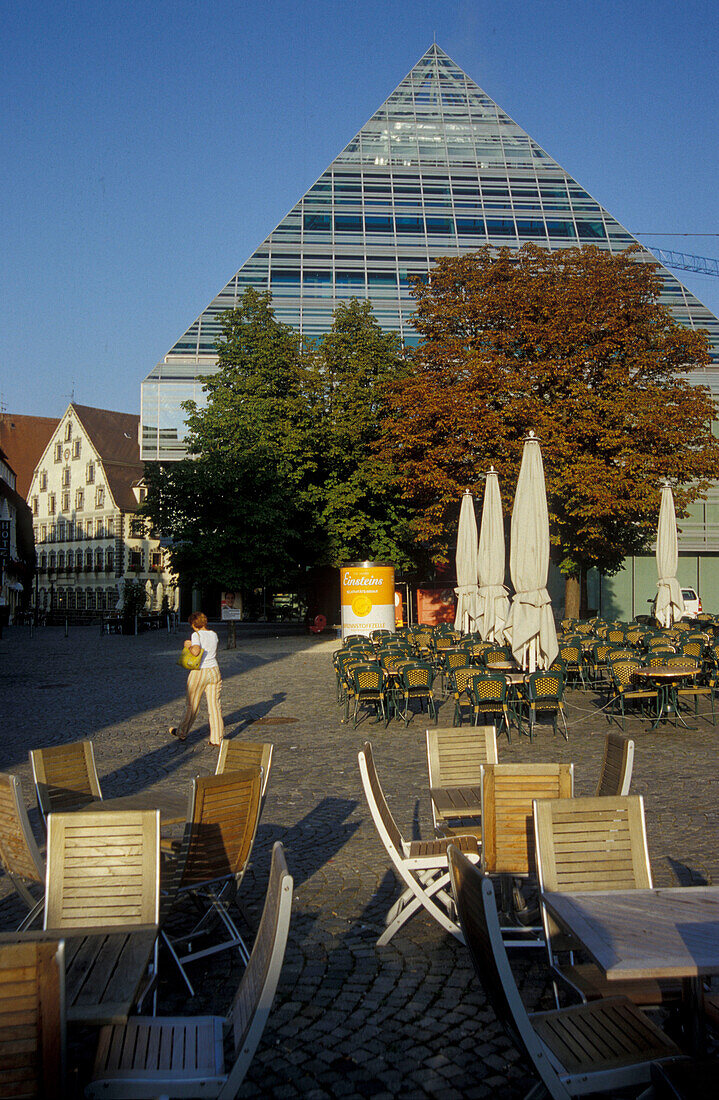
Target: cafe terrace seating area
{"type": "Point", "coordinates": [502, 831]}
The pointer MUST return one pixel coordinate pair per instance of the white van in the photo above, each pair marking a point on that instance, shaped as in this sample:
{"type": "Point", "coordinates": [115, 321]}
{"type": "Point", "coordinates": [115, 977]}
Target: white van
{"type": "Point", "coordinates": [692, 603]}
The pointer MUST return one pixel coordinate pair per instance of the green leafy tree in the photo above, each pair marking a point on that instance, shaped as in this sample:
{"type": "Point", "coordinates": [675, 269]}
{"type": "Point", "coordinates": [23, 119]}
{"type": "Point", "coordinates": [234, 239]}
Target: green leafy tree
{"type": "Point", "coordinates": [357, 493]}
{"type": "Point", "coordinates": [575, 345]}
{"type": "Point", "coordinates": [237, 508]}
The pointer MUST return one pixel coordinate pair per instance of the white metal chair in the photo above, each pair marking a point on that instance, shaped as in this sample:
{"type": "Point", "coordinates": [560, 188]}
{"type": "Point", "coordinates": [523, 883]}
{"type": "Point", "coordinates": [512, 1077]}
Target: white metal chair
{"type": "Point", "coordinates": [598, 1047]}
{"type": "Point", "coordinates": [178, 1056]}
{"type": "Point", "coordinates": [421, 866]}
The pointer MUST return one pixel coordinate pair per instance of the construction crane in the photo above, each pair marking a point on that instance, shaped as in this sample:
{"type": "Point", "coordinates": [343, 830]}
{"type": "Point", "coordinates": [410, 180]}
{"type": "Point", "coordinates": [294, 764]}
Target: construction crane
{"type": "Point", "coordinates": [684, 261]}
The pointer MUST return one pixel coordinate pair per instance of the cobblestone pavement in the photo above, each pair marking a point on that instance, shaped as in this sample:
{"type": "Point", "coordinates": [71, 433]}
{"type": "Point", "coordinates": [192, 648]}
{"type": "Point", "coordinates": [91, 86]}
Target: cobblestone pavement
{"type": "Point", "coordinates": [349, 1020]}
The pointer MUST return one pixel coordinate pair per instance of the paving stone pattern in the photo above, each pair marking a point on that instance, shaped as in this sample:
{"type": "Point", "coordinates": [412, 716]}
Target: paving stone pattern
{"type": "Point", "coordinates": [349, 1020]}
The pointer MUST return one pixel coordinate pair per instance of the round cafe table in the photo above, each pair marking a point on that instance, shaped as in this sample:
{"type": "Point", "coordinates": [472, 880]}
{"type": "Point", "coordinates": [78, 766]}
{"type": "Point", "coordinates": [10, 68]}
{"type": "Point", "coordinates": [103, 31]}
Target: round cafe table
{"type": "Point", "coordinates": [667, 677]}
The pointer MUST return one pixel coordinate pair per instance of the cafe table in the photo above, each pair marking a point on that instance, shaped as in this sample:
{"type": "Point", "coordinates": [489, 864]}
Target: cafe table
{"type": "Point", "coordinates": [667, 677]}
{"type": "Point", "coordinates": [172, 806]}
{"type": "Point", "coordinates": [665, 932]}
{"type": "Point", "coordinates": [105, 968]}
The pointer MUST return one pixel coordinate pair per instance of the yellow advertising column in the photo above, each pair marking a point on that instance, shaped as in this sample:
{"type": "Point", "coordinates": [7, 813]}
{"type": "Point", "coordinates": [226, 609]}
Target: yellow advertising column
{"type": "Point", "coordinates": [367, 597]}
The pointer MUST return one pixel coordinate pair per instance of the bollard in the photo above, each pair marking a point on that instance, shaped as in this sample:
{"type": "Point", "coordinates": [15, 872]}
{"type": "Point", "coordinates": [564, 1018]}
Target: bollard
{"type": "Point", "coordinates": [66, 629]}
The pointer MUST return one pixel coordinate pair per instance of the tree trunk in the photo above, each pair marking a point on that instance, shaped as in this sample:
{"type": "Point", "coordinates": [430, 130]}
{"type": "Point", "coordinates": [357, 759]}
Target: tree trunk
{"type": "Point", "coordinates": [232, 634]}
{"type": "Point", "coordinates": [572, 596]}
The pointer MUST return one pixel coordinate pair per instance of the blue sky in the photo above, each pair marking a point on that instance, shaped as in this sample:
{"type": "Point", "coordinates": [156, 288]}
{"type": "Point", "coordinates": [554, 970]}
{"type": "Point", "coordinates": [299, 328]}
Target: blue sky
{"type": "Point", "coordinates": [148, 147]}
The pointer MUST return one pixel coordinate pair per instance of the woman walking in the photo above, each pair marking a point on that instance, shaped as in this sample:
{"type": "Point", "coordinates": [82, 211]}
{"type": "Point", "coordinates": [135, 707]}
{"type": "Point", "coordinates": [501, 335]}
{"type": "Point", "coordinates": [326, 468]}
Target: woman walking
{"type": "Point", "coordinates": [205, 680]}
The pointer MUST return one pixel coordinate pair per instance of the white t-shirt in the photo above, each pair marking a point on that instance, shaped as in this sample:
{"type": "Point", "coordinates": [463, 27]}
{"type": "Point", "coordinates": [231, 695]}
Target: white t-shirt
{"type": "Point", "coordinates": [208, 640]}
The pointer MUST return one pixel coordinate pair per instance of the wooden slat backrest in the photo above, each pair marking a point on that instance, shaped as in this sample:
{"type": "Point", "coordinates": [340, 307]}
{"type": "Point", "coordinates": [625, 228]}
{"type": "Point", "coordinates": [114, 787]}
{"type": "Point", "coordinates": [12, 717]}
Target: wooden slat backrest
{"type": "Point", "coordinates": [32, 1020]}
{"type": "Point", "coordinates": [378, 803]}
{"type": "Point", "coordinates": [508, 791]}
{"type": "Point", "coordinates": [256, 990]}
{"type": "Point", "coordinates": [238, 755]}
{"type": "Point", "coordinates": [616, 774]}
{"type": "Point", "coordinates": [65, 777]}
{"type": "Point", "coordinates": [592, 844]}
{"type": "Point", "coordinates": [218, 839]}
{"type": "Point", "coordinates": [18, 850]}
{"type": "Point", "coordinates": [455, 756]}
{"type": "Point", "coordinates": [102, 868]}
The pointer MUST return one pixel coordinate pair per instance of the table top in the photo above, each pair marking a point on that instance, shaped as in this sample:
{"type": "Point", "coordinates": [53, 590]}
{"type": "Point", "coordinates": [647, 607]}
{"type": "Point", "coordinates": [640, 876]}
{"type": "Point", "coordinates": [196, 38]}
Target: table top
{"type": "Point", "coordinates": [502, 666]}
{"type": "Point", "coordinates": [667, 672]}
{"type": "Point", "coordinates": [632, 934]}
{"type": "Point", "coordinates": [104, 969]}
{"type": "Point", "coordinates": [457, 801]}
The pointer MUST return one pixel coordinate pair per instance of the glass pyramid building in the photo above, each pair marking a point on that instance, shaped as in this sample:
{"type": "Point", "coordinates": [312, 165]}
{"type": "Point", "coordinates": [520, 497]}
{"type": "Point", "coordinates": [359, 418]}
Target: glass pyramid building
{"type": "Point", "coordinates": [438, 169]}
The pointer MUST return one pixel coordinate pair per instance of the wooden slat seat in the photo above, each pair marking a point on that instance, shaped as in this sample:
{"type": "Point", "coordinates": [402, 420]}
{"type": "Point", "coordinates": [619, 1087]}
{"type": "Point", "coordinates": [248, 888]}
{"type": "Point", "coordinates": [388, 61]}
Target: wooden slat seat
{"type": "Point", "coordinates": [616, 775]}
{"type": "Point", "coordinates": [177, 1056]}
{"type": "Point", "coordinates": [454, 761]}
{"type": "Point", "coordinates": [19, 854]}
{"type": "Point", "coordinates": [32, 1020]}
{"type": "Point", "coordinates": [421, 866]}
{"type": "Point", "coordinates": [213, 857]}
{"type": "Point", "coordinates": [65, 777]}
{"type": "Point", "coordinates": [598, 1047]}
{"type": "Point", "coordinates": [595, 843]}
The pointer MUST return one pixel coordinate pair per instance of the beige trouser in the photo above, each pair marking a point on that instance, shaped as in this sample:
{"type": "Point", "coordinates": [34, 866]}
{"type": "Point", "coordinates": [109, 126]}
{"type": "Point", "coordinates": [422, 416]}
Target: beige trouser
{"type": "Point", "coordinates": [204, 681]}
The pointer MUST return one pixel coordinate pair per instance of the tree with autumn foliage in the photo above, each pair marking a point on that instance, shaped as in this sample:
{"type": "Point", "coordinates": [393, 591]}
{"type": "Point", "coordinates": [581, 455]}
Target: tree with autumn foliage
{"type": "Point", "coordinates": [575, 345]}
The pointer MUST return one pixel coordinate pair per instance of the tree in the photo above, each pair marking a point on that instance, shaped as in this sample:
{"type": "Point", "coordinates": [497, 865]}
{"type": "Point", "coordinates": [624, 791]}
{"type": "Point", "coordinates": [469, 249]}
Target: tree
{"type": "Point", "coordinates": [575, 345]}
{"type": "Point", "coordinates": [357, 494]}
{"type": "Point", "coordinates": [237, 508]}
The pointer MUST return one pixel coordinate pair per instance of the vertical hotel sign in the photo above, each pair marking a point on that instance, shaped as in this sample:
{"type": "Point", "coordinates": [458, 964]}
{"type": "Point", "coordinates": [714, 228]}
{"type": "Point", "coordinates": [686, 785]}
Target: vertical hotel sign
{"type": "Point", "coordinates": [367, 597]}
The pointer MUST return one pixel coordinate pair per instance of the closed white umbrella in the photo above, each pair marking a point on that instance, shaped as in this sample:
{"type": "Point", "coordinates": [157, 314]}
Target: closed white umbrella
{"type": "Point", "coordinates": [670, 604]}
{"type": "Point", "coordinates": [466, 559]}
{"type": "Point", "coordinates": [493, 603]}
{"type": "Point", "coordinates": [531, 623]}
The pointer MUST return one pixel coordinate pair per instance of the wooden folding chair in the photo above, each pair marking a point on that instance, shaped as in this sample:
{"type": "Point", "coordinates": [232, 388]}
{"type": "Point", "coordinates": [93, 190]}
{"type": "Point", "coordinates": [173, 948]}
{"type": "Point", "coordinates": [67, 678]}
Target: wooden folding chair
{"type": "Point", "coordinates": [213, 857]}
{"type": "Point", "coordinates": [615, 777]}
{"type": "Point", "coordinates": [421, 866]}
{"type": "Point", "coordinates": [19, 854]}
{"type": "Point", "coordinates": [593, 844]}
{"type": "Point", "coordinates": [65, 778]}
{"type": "Point", "coordinates": [454, 760]}
{"type": "Point", "coordinates": [178, 1056]}
{"type": "Point", "coordinates": [32, 1020]}
{"type": "Point", "coordinates": [236, 755]}
{"type": "Point", "coordinates": [508, 792]}
{"type": "Point", "coordinates": [103, 869]}
{"type": "Point", "coordinates": [598, 1047]}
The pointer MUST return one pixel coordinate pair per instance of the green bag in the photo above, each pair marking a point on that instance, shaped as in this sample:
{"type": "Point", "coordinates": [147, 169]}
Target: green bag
{"type": "Point", "coordinates": [189, 660]}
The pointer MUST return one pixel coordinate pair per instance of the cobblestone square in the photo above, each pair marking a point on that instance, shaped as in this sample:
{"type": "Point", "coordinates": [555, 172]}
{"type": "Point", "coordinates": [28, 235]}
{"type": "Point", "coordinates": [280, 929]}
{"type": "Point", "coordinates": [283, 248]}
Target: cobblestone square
{"type": "Point", "coordinates": [349, 1020]}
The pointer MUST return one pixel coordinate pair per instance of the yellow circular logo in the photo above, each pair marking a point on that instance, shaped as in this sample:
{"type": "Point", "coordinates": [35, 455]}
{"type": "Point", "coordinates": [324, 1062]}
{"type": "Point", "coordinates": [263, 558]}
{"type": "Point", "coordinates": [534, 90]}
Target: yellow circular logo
{"type": "Point", "coordinates": [361, 605]}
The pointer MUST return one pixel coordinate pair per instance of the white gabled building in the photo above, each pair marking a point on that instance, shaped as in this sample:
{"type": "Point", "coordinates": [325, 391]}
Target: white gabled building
{"type": "Point", "coordinates": [83, 496]}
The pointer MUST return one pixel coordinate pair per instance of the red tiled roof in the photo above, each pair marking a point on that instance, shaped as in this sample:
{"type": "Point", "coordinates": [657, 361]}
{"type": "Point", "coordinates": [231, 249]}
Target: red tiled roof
{"type": "Point", "coordinates": [23, 439]}
{"type": "Point", "coordinates": [115, 437]}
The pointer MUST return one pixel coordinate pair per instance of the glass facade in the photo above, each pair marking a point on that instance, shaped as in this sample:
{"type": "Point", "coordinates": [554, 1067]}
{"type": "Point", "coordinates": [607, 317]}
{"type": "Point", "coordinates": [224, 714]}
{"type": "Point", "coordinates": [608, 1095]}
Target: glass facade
{"type": "Point", "coordinates": [439, 169]}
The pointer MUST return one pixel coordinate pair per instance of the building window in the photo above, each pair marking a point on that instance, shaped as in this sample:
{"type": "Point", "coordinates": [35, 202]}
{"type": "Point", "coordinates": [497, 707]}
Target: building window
{"type": "Point", "coordinates": [52, 560]}
{"type": "Point", "coordinates": [89, 528]}
{"type": "Point", "coordinates": [99, 496]}
{"type": "Point", "coordinates": [100, 530]}
{"type": "Point", "coordinates": [70, 531]}
{"type": "Point", "coordinates": [90, 473]}
{"type": "Point", "coordinates": [68, 431]}
{"type": "Point", "coordinates": [35, 506]}
{"type": "Point", "coordinates": [76, 448]}
{"type": "Point", "coordinates": [156, 560]}
{"type": "Point", "coordinates": [88, 559]}
{"type": "Point", "coordinates": [58, 452]}
{"type": "Point", "coordinates": [65, 501]}
{"type": "Point", "coordinates": [71, 599]}
{"type": "Point", "coordinates": [137, 528]}
{"type": "Point", "coordinates": [79, 499]}
{"type": "Point", "coordinates": [43, 533]}
{"type": "Point", "coordinates": [91, 599]}
{"type": "Point", "coordinates": [61, 530]}
{"type": "Point", "coordinates": [99, 557]}
{"type": "Point", "coordinates": [70, 560]}
{"type": "Point", "coordinates": [43, 561]}
{"type": "Point", "coordinates": [61, 559]}
{"type": "Point", "coordinates": [80, 600]}
{"type": "Point", "coordinates": [100, 599]}
{"type": "Point", "coordinates": [136, 561]}
{"type": "Point", "coordinates": [52, 533]}
{"type": "Point", "coordinates": [110, 561]}
{"type": "Point", "coordinates": [66, 477]}
{"type": "Point", "coordinates": [110, 528]}
{"type": "Point", "coordinates": [51, 504]}
{"type": "Point", "coordinates": [42, 481]}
